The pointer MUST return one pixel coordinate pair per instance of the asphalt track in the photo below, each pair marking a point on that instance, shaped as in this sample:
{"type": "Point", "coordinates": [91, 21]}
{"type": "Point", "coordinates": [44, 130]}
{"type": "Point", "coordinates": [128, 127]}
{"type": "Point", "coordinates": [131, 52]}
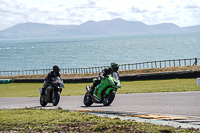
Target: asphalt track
{"type": "Point", "coordinates": [169, 103]}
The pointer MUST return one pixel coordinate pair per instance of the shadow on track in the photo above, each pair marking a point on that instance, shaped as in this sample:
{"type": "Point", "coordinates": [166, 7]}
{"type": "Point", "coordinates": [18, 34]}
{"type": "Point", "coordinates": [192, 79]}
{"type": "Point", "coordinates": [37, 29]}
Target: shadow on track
{"type": "Point", "coordinates": [94, 106]}
{"type": "Point", "coordinates": [36, 107]}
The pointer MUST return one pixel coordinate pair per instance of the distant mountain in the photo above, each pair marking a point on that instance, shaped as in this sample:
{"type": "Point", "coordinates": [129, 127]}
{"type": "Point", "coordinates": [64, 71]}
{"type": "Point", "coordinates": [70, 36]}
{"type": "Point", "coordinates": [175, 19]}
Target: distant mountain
{"type": "Point", "coordinates": [109, 27]}
{"type": "Point", "coordinates": [191, 29]}
{"type": "Point", "coordinates": [164, 28]}
{"type": "Point", "coordinates": [91, 28]}
{"type": "Point", "coordinates": [34, 30]}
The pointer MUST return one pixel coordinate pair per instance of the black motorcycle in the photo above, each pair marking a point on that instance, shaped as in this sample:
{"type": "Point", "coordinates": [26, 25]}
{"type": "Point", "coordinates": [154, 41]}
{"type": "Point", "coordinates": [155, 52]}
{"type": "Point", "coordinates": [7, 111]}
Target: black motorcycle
{"type": "Point", "coordinates": [52, 92]}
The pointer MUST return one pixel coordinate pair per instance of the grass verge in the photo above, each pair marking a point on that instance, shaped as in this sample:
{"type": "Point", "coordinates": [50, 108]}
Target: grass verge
{"type": "Point", "coordinates": [145, 86]}
{"type": "Point", "coordinates": [32, 120]}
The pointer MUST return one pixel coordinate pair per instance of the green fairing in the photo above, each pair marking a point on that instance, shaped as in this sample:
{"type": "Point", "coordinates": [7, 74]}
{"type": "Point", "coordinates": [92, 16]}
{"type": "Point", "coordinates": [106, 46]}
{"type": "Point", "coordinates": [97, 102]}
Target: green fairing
{"type": "Point", "coordinates": [109, 89]}
{"type": "Point", "coordinates": [106, 83]}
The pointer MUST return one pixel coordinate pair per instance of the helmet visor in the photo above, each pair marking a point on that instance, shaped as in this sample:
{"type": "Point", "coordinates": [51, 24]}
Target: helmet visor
{"type": "Point", "coordinates": [56, 70]}
{"type": "Point", "coordinates": [115, 69]}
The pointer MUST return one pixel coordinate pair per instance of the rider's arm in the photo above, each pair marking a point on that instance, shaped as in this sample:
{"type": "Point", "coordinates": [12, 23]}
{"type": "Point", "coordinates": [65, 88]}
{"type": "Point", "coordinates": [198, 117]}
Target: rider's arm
{"type": "Point", "coordinates": [60, 76]}
{"type": "Point", "coordinates": [104, 73]}
{"type": "Point", "coordinates": [118, 75]}
{"type": "Point", "coordinates": [101, 75]}
{"type": "Point", "coordinates": [48, 79]}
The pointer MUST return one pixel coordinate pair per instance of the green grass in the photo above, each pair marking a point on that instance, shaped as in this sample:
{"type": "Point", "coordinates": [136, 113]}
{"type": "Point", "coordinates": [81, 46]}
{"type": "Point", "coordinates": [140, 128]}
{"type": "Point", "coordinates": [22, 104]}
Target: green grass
{"type": "Point", "coordinates": [32, 120]}
{"type": "Point", "coordinates": [145, 86]}
{"type": "Point", "coordinates": [172, 85]}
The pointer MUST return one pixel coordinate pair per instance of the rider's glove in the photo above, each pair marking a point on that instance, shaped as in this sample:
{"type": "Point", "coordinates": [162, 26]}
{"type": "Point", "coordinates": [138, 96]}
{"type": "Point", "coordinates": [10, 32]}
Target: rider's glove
{"type": "Point", "coordinates": [101, 76]}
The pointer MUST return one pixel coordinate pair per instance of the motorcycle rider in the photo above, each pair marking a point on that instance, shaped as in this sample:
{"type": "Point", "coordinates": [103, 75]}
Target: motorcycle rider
{"type": "Point", "coordinates": [51, 75]}
{"type": "Point", "coordinates": [113, 68]}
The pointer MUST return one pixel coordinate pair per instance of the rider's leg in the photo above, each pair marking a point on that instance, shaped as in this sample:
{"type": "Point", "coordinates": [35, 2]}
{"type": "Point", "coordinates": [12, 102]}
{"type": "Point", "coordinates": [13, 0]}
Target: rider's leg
{"type": "Point", "coordinates": [43, 89]}
{"type": "Point", "coordinates": [96, 82]}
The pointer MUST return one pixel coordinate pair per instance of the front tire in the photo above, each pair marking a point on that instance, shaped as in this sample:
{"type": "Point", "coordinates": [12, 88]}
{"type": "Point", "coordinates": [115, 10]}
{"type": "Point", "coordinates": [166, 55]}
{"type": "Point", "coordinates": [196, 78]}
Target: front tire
{"type": "Point", "coordinates": [56, 98]}
{"type": "Point", "coordinates": [87, 100]}
{"type": "Point", "coordinates": [42, 102]}
{"type": "Point", "coordinates": [109, 98]}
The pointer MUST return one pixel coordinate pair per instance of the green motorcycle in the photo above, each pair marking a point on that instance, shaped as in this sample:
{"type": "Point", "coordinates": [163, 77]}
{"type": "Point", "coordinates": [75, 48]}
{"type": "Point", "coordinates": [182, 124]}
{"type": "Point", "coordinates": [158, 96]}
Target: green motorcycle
{"type": "Point", "coordinates": [104, 92]}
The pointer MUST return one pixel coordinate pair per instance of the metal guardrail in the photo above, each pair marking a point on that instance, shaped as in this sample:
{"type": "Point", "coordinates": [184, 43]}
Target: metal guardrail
{"type": "Point", "coordinates": [143, 65]}
{"type": "Point", "coordinates": [161, 64]}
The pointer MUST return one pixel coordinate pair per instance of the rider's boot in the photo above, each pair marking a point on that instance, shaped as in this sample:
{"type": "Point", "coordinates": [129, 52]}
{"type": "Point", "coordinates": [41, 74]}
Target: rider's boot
{"type": "Point", "coordinates": [91, 90]}
{"type": "Point", "coordinates": [43, 92]}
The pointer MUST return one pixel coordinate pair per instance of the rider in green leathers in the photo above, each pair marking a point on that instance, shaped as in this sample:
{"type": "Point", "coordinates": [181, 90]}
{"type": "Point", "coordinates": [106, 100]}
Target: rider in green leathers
{"type": "Point", "coordinates": [113, 68]}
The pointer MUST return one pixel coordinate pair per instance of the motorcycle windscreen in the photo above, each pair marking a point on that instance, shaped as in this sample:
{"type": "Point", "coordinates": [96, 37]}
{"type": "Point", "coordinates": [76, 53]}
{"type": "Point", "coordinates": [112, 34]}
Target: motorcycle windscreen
{"type": "Point", "coordinates": [57, 80]}
{"type": "Point", "coordinates": [61, 82]}
{"type": "Point", "coordinates": [115, 75]}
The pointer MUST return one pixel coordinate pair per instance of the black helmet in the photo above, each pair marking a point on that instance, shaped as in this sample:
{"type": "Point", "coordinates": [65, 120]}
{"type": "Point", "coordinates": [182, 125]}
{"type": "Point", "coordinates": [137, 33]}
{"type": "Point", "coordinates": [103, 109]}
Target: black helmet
{"type": "Point", "coordinates": [114, 67]}
{"type": "Point", "coordinates": [56, 69]}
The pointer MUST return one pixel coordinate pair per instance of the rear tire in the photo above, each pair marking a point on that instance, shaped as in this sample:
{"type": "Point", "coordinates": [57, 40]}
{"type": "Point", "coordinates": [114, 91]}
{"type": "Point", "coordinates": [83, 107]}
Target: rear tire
{"type": "Point", "coordinates": [42, 102]}
{"type": "Point", "coordinates": [87, 100]}
{"type": "Point", "coordinates": [56, 99]}
{"type": "Point", "coordinates": [109, 98]}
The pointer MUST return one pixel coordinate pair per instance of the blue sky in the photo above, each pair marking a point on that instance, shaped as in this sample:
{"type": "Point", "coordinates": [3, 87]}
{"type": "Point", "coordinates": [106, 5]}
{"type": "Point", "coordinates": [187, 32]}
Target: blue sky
{"type": "Point", "coordinates": [64, 12]}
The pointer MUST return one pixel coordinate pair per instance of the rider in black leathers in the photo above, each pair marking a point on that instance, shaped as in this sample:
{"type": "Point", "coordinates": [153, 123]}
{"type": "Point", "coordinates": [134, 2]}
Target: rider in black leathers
{"type": "Point", "coordinates": [113, 68]}
{"type": "Point", "coordinates": [51, 75]}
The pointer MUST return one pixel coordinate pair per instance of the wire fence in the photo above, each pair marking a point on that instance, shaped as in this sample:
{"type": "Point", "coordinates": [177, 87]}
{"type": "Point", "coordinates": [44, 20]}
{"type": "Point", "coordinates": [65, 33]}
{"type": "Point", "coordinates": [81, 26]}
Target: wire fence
{"type": "Point", "coordinates": [135, 66]}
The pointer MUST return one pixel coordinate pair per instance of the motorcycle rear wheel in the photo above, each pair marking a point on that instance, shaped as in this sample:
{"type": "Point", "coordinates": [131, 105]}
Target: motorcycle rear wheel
{"type": "Point", "coordinates": [56, 99]}
{"type": "Point", "coordinates": [109, 98]}
{"type": "Point", "coordinates": [42, 102]}
{"type": "Point", "coordinates": [87, 100]}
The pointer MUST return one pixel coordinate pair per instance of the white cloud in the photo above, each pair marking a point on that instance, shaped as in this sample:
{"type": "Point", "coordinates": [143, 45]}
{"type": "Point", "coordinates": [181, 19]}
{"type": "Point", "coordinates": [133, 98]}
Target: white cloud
{"type": "Point", "coordinates": [180, 12]}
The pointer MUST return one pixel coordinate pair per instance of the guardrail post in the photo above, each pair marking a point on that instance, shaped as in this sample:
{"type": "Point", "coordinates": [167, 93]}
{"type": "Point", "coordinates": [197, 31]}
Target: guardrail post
{"type": "Point", "coordinates": [195, 63]}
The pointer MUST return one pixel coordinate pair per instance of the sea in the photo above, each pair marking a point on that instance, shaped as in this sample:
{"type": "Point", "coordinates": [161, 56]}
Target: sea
{"type": "Point", "coordinates": [33, 54]}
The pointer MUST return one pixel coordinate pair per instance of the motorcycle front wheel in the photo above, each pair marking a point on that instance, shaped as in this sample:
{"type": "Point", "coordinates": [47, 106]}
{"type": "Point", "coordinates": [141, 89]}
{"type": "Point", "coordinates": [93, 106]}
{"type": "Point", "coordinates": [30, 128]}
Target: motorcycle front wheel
{"type": "Point", "coordinates": [56, 98]}
{"type": "Point", "coordinates": [42, 102]}
{"type": "Point", "coordinates": [108, 99]}
{"type": "Point", "coordinates": [87, 100]}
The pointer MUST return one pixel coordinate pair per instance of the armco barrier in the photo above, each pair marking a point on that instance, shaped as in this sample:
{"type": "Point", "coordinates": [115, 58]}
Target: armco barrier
{"type": "Point", "coordinates": [162, 75]}
{"type": "Point", "coordinates": [5, 81]}
{"type": "Point", "coordinates": [73, 80]}
{"type": "Point", "coordinates": [149, 76]}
